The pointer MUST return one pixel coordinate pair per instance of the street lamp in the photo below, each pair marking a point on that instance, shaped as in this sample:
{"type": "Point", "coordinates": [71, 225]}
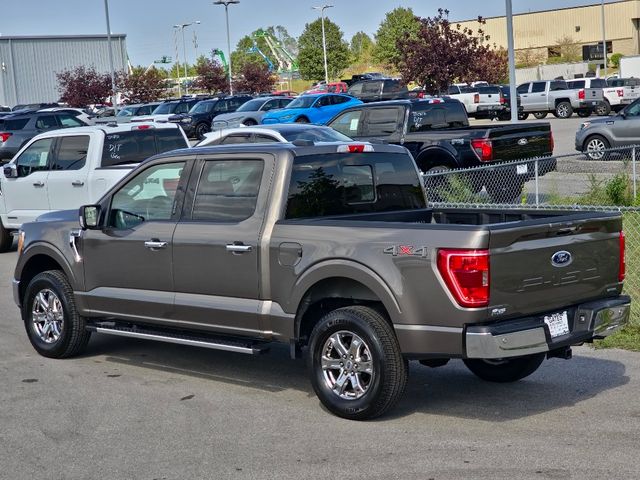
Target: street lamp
{"type": "Point", "coordinates": [513, 94]}
{"type": "Point", "coordinates": [182, 26]}
{"type": "Point", "coordinates": [604, 40]}
{"type": "Point", "coordinates": [226, 4]}
{"type": "Point", "coordinates": [324, 40]}
{"type": "Point", "coordinates": [114, 95]}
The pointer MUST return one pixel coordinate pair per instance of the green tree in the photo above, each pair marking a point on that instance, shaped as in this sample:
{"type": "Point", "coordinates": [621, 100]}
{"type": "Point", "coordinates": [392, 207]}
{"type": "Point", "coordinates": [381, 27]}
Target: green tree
{"type": "Point", "coordinates": [361, 47]}
{"type": "Point", "coordinates": [142, 85]}
{"type": "Point", "coordinates": [310, 55]}
{"type": "Point", "coordinates": [397, 24]}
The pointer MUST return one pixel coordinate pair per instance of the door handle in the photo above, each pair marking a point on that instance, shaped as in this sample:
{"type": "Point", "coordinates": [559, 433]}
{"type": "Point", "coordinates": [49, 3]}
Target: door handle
{"type": "Point", "coordinates": [155, 244]}
{"type": "Point", "coordinates": [77, 183]}
{"type": "Point", "coordinates": [238, 248]}
{"type": "Point", "coordinates": [38, 184]}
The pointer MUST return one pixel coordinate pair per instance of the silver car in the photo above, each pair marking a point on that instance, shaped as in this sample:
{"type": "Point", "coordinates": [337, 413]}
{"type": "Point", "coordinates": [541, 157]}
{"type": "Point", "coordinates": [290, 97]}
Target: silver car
{"type": "Point", "coordinates": [250, 113]}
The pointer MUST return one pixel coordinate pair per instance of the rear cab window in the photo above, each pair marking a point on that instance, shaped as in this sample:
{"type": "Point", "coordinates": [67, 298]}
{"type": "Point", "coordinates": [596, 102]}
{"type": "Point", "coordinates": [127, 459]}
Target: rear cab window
{"type": "Point", "coordinates": [342, 184]}
{"type": "Point", "coordinates": [15, 123]}
{"type": "Point", "coordinates": [134, 146]}
{"type": "Point", "coordinates": [437, 116]}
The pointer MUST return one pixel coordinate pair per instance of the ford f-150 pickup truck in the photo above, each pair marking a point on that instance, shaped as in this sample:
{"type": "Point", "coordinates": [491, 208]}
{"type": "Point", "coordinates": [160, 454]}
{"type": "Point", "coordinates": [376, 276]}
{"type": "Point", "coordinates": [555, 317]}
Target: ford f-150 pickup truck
{"type": "Point", "coordinates": [330, 249]}
{"type": "Point", "coordinates": [66, 168]}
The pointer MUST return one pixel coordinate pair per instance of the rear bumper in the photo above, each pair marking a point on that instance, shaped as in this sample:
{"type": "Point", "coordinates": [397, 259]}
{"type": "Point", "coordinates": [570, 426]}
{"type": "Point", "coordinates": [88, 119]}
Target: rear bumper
{"type": "Point", "coordinates": [526, 336]}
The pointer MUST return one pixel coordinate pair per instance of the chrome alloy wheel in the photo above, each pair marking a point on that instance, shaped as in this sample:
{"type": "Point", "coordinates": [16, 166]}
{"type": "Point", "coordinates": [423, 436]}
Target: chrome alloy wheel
{"type": "Point", "coordinates": [563, 111]}
{"type": "Point", "coordinates": [595, 149]}
{"type": "Point", "coordinates": [347, 365]}
{"type": "Point", "coordinates": [47, 316]}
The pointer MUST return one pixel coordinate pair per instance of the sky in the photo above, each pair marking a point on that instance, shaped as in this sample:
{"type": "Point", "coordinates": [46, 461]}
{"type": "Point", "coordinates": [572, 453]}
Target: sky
{"type": "Point", "coordinates": [148, 23]}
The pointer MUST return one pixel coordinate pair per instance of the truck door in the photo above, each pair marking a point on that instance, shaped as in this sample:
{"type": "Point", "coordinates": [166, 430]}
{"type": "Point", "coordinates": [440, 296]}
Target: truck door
{"type": "Point", "coordinates": [67, 181]}
{"type": "Point", "coordinates": [216, 247]}
{"type": "Point", "coordinates": [523, 93]}
{"type": "Point", "coordinates": [537, 99]}
{"type": "Point", "coordinates": [26, 196]}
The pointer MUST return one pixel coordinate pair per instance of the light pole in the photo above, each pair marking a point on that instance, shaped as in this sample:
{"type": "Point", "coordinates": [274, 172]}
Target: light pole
{"type": "Point", "coordinates": [182, 26]}
{"type": "Point", "coordinates": [226, 4]}
{"type": "Point", "coordinates": [114, 95]}
{"type": "Point", "coordinates": [513, 94]}
{"type": "Point", "coordinates": [604, 40]}
{"type": "Point", "coordinates": [324, 40]}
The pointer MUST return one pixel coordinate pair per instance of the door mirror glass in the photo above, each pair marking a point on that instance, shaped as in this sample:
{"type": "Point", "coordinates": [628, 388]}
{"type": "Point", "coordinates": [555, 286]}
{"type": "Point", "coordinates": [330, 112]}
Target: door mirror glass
{"type": "Point", "coordinates": [90, 217]}
{"type": "Point", "coordinates": [11, 171]}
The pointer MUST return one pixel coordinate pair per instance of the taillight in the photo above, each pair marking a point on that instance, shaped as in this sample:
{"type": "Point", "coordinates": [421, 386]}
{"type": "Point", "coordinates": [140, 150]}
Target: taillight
{"type": "Point", "coordinates": [142, 127]}
{"type": "Point", "coordinates": [354, 148]}
{"type": "Point", "coordinates": [581, 94]}
{"type": "Point", "coordinates": [620, 93]}
{"type": "Point", "coordinates": [622, 268]}
{"type": "Point", "coordinates": [502, 100]}
{"type": "Point", "coordinates": [483, 148]}
{"type": "Point", "coordinates": [552, 142]}
{"type": "Point", "coordinates": [466, 274]}
{"type": "Point", "coordinates": [476, 98]}
{"type": "Point", "coordinates": [4, 136]}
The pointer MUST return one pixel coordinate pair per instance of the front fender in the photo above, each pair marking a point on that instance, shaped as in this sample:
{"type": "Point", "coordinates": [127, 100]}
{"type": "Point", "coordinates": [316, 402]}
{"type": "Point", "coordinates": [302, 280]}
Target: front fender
{"type": "Point", "coordinates": [51, 251]}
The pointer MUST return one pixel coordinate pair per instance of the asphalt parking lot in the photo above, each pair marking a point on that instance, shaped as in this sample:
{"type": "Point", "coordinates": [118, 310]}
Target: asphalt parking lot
{"type": "Point", "coordinates": [130, 409]}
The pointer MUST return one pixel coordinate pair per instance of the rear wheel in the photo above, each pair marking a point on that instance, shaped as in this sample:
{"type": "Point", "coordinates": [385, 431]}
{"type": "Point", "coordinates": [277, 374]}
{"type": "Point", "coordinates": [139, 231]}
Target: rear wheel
{"type": "Point", "coordinates": [595, 147]}
{"type": "Point", "coordinates": [540, 115]}
{"type": "Point", "coordinates": [505, 370]}
{"type": "Point", "coordinates": [563, 110]}
{"type": "Point", "coordinates": [357, 369]}
{"type": "Point", "coordinates": [6, 240]}
{"type": "Point", "coordinates": [523, 115]}
{"type": "Point", "coordinates": [584, 113]}
{"type": "Point", "coordinates": [437, 185]}
{"type": "Point", "coordinates": [603, 109]}
{"type": "Point", "coordinates": [201, 129]}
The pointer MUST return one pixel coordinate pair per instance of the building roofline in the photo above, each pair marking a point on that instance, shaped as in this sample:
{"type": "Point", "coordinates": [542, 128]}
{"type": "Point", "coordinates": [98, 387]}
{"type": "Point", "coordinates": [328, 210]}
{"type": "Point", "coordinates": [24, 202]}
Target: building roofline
{"type": "Point", "coordinates": [588, 5]}
{"type": "Point", "coordinates": [59, 37]}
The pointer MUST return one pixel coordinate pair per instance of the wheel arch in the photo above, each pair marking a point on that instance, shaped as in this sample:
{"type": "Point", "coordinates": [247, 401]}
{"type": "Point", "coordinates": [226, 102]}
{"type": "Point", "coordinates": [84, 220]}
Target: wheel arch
{"type": "Point", "coordinates": [434, 156]}
{"type": "Point", "coordinates": [561, 100]}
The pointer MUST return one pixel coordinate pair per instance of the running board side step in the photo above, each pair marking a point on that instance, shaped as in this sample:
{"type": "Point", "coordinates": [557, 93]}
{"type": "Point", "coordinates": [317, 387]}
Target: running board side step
{"type": "Point", "coordinates": [215, 343]}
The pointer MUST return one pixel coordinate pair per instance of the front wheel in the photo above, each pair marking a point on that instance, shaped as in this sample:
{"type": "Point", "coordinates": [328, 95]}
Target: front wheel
{"type": "Point", "coordinates": [505, 370]}
{"type": "Point", "coordinates": [201, 129]}
{"type": "Point", "coordinates": [523, 115]}
{"type": "Point", "coordinates": [302, 120]}
{"type": "Point", "coordinates": [563, 110]}
{"type": "Point", "coordinates": [357, 369]}
{"type": "Point", "coordinates": [540, 115]}
{"type": "Point", "coordinates": [584, 113]}
{"type": "Point", "coordinates": [505, 192]}
{"type": "Point", "coordinates": [249, 122]}
{"type": "Point", "coordinates": [54, 327]}
{"type": "Point", "coordinates": [595, 148]}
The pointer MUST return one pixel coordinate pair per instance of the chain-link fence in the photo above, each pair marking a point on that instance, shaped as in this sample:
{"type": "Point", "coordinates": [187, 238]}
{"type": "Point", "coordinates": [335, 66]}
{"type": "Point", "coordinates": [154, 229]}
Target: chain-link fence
{"type": "Point", "coordinates": [598, 181]}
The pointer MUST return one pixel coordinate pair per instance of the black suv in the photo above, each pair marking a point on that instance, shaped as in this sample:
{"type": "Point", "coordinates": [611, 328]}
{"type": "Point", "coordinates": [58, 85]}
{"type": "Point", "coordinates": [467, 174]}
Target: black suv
{"type": "Point", "coordinates": [19, 128]}
{"type": "Point", "coordinates": [198, 121]}
{"type": "Point", "coordinates": [378, 89]}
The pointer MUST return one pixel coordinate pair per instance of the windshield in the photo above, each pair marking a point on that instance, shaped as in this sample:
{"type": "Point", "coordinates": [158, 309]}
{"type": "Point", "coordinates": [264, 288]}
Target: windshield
{"type": "Point", "coordinates": [317, 134]}
{"type": "Point", "coordinates": [252, 105]}
{"type": "Point", "coordinates": [302, 102]}
{"type": "Point", "coordinates": [202, 107]}
{"type": "Point", "coordinates": [164, 108]}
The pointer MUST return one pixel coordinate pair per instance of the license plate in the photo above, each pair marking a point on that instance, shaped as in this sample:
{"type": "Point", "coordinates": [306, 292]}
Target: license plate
{"type": "Point", "coordinates": [521, 169]}
{"type": "Point", "coordinates": [558, 324]}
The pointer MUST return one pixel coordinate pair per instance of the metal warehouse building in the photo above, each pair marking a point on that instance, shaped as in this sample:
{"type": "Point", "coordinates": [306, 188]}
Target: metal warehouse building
{"type": "Point", "coordinates": [28, 64]}
{"type": "Point", "coordinates": [540, 31]}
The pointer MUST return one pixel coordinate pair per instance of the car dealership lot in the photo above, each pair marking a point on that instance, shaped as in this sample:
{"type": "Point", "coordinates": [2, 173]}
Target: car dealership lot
{"type": "Point", "coordinates": [133, 409]}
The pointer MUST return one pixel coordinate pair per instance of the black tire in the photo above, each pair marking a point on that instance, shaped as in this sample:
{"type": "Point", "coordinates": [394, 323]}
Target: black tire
{"type": "Point", "coordinates": [73, 336]}
{"type": "Point", "coordinates": [523, 115]}
{"type": "Point", "coordinates": [302, 120]}
{"type": "Point", "coordinates": [249, 122]}
{"type": "Point", "coordinates": [603, 109]}
{"type": "Point", "coordinates": [505, 370]}
{"type": "Point", "coordinates": [584, 113]}
{"type": "Point", "coordinates": [504, 116]}
{"type": "Point", "coordinates": [6, 239]}
{"type": "Point", "coordinates": [505, 193]}
{"type": "Point", "coordinates": [563, 110]}
{"type": "Point", "coordinates": [540, 115]}
{"type": "Point", "coordinates": [594, 147]}
{"type": "Point", "coordinates": [201, 129]}
{"type": "Point", "coordinates": [390, 370]}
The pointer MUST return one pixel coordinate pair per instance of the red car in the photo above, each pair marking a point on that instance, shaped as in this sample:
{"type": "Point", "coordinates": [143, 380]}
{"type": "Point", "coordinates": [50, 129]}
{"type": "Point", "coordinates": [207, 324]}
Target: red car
{"type": "Point", "coordinates": [332, 87]}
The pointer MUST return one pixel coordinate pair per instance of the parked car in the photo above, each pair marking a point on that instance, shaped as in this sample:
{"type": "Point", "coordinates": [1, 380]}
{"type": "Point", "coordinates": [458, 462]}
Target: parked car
{"type": "Point", "coordinates": [67, 168]}
{"type": "Point", "coordinates": [467, 95]}
{"type": "Point", "coordinates": [363, 76]}
{"type": "Point", "coordinates": [79, 113]}
{"type": "Point", "coordinates": [437, 133]}
{"type": "Point", "coordinates": [167, 109]}
{"type": "Point", "coordinates": [506, 94]}
{"type": "Point", "coordinates": [618, 93]}
{"type": "Point", "coordinates": [280, 133]}
{"type": "Point", "coordinates": [249, 113]}
{"type": "Point", "coordinates": [126, 113]}
{"type": "Point", "coordinates": [597, 135]}
{"type": "Point", "coordinates": [491, 102]}
{"type": "Point", "coordinates": [284, 93]}
{"type": "Point", "coordinates": [331, 251]}
{"type": "Point", "coordinates": [34, 106]}
{"type": "Point", "coordinates": [4, 109]}
{"type": "Point", "coordinates": [21, 127]}
{"type": "Point", "coordinates": [332, 87]}
{"type": "Point", "coordinates": [376, 90]}
{"type": "Point", "coordinates": [316, 109]}
{"type": "Point", "coordinates": [594, 95]}
{"type": "Point", "coordinates": [198, 121]}
{"type": "Point", "coordinates": [552, 96]}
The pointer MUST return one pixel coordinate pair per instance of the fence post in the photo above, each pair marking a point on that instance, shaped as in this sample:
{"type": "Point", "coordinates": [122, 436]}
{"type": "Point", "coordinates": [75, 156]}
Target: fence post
{"type": "Point", "coordinates": [633, 165]}
{"type": "Point", "coordinates": [537, 191]}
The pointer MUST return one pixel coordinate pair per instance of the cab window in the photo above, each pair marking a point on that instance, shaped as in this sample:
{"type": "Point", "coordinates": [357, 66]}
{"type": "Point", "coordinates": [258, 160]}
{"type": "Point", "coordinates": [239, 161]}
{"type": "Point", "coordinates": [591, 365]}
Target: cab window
{"type": "Point", "coordinates": [347, 123]}
{"type": "Point", "coordinates": [35, 158]}
{"type": "Point", "coordinates": [72, 153]}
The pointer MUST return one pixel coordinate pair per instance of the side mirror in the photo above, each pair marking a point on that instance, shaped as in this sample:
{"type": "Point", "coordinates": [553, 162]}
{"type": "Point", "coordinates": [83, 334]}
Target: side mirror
{"type": "Point", "coordinates": [623, 114]}
{"type": "Point", "coordinates": [90, 217]}
{"type": "Point", "coordinates": [10, 170]}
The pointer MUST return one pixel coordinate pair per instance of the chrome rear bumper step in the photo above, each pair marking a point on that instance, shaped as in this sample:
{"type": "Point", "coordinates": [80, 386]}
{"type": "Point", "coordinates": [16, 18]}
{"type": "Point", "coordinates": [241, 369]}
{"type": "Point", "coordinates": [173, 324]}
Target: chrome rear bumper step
{"type": "Point", "coordinates": [215, 343]}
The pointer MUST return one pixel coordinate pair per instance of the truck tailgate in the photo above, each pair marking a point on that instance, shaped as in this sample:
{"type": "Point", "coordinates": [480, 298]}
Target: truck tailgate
{"type": "Point", "coordinates": [551, 264]}
{"type": "Point", "coordinates": [513, 142]}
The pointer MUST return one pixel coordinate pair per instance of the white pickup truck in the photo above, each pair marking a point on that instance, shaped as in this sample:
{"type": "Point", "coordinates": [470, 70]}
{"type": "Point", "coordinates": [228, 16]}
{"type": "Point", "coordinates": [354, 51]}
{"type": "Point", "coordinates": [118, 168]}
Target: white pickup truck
{"type": "Point", "coordinates": [467, 95]}
{"type": "Point", "coordinates": [64, 169]}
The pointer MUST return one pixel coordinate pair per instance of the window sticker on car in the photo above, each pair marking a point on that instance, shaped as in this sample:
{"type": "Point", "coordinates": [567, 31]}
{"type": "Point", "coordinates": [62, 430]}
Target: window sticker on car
{"type": "Point", "coordinates": [354, 124]}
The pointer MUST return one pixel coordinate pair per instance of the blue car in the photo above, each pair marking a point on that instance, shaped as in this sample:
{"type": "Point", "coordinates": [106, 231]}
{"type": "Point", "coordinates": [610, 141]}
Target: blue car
{"type": "Point", "coordinates": [317, 109]}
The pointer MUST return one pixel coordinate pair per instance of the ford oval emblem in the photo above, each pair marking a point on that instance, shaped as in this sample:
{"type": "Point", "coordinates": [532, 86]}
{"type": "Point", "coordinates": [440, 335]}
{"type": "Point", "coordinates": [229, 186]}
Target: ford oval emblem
{"type": "Point", "coordinates": [561, 259]}
{"type": "Point", "coordinates": [522, 142]}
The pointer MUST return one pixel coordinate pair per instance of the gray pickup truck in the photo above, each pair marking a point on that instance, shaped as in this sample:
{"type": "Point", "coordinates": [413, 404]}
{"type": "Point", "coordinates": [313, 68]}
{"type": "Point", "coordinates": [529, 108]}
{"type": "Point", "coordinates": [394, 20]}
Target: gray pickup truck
{"type": "Point", "coordinates": [330, 249]}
